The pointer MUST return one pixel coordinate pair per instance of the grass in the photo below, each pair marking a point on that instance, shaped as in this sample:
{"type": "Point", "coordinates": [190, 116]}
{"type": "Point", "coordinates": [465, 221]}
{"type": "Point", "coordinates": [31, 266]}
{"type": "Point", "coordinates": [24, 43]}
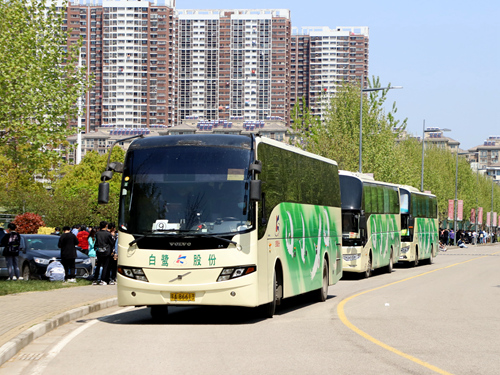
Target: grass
{"type": "Point", "coordinates": [22, 286]}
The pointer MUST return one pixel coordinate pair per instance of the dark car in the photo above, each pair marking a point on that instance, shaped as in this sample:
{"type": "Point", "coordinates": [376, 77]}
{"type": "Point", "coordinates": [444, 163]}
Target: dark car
{"type": "Point", "coordinates": [36, 252]}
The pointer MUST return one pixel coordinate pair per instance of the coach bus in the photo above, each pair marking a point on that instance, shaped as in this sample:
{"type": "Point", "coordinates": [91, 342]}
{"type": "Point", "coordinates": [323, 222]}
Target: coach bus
{"type": "Point", "coordinates": [230, 220]}
{"type": "Point", "coordinates": [370, 223]}
{"type": "Point", "coordinates": [419, 226]}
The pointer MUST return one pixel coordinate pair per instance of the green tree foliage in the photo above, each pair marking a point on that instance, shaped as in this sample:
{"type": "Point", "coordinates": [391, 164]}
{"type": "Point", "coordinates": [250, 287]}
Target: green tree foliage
{"type": "Point", "coordinates": [40, 82]}
{"type": "Point", "coordinates": [336, 136]}
{"type": "Point", "coordinates": [74, 198]}
{"type": "Point", "coordinates": [386, 154]}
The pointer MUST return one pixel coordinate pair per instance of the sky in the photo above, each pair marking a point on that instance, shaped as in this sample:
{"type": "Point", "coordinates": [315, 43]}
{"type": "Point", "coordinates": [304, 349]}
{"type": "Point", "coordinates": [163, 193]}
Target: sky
{"type": "Point", "coordinates": [445, 54]}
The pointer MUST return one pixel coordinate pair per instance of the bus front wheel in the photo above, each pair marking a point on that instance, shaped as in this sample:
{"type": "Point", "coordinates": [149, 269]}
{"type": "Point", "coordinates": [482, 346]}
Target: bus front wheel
{"type": "Point", "coordinates": [431, 256]}
{"type": "Point", "coordinates": [368, 271]}
{"type": "Point", "coordinates": [415, 262]}
{"type": "Point", "coordinates": [270, 308]}
{"type": "Point", "coordinates": [390, 266]}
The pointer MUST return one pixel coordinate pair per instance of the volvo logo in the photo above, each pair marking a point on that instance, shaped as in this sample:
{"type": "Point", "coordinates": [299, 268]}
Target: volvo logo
{"type": "Point", "coordinates": [180, 244]}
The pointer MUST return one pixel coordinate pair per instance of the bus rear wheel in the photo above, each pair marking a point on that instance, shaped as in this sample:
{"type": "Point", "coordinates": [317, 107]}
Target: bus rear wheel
{"type": "Point", "coordinates": [322, 293]}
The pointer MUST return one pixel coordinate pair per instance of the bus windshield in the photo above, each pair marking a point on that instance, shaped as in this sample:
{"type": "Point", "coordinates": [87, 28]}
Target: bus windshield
{"type": "Point", "coordinates": [191, 189]}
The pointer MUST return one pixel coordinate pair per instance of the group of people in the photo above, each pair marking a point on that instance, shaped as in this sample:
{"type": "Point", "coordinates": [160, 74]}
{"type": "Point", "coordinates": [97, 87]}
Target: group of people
{"type": "Point", "coordinates": [99, 243]}
{"type": "Point", "coordinates": [464, 238]}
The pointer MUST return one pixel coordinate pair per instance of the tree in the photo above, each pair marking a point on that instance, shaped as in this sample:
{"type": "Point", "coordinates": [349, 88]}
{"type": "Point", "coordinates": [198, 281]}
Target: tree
{"type": "Point", "coordinates": [40, 82]}
{"type": "Point", "coordinates": [74, 197]}
{"type": "Point", "coordinates": [336, 136]}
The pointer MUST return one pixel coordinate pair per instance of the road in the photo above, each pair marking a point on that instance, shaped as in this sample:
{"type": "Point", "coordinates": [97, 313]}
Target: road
{"type": "Point", "coordinates": [440, 318]}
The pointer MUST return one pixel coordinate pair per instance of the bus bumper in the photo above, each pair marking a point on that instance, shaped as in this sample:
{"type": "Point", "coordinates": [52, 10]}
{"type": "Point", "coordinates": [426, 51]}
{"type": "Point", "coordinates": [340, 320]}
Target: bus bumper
{"type": "Point", "coordinates": [242, 291]}
{"type": "Point", "coordinates": [354, 259]}
{"type": "Point", "coordinates": [407, 252]}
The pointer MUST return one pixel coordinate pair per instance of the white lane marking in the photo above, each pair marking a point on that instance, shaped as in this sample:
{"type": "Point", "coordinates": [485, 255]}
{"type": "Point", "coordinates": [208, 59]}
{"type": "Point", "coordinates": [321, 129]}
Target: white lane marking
{"type": "Point", "coordinates": [43, 363]}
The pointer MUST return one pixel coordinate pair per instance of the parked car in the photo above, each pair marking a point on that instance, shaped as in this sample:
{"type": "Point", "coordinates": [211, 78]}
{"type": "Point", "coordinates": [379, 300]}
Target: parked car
{"type": "Point", "coordinates": [36, 252]}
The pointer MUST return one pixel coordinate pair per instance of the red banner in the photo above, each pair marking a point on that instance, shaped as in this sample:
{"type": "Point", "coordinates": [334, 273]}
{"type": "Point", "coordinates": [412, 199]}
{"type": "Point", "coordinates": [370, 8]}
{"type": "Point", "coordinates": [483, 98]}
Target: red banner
{"type": "Point", "coordinates": [451, 215]}
{"type": "Point", "coordinates": [480, 215]}
{"type": "Point", "coordinates": [494, 219]}
{"type": "Point", "coordinates": [472, 216]}
{"type": "Point", "coordinates": [460, 210]}
{"type": "Point", "coordinates": [488, 215]}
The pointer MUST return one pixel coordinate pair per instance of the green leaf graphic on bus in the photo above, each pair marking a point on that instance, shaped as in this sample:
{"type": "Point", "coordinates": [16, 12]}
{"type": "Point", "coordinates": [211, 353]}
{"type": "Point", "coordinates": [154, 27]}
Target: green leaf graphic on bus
{"type": "Point", "coordinates": [384, 234]}
{"type": "Point", "coordinates": [427, 232]}
{"type": "Point", "coordinates": [308, 232]}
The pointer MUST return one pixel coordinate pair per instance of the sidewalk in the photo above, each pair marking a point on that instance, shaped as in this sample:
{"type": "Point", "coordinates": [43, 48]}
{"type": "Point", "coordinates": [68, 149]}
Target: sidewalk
{"type": "Point", "coordinates": [27, 316]}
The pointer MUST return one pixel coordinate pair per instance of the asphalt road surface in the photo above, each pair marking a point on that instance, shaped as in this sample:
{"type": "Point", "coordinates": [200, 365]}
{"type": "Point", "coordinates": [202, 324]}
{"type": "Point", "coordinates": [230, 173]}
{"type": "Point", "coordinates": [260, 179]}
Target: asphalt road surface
{"type": "Point", "coordinates": [441, 318]}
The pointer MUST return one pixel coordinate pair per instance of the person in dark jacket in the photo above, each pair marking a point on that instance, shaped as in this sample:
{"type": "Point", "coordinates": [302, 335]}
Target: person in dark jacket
{"type": "Point", "coordinates": [104, 243]}
{"type": "Point", "coordinates": [68, 243]}
{"type": "Point", "coordinates": [11, 243]}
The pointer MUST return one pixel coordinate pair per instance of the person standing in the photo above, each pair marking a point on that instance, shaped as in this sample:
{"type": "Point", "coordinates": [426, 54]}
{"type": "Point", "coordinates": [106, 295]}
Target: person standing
{"type": "Point", "coordinates": [11, 243]}
{"type": "Point", "coordinates": [92, 252]}
{"type": "Point", "coordinates": [83, 240]}
{"type": "Point", "coordinates": [68, 243]}
{"type": "Point", "coordinates": [104, 244]}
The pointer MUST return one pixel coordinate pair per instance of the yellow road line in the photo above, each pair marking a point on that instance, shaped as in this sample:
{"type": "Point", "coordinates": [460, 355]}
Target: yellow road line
{"type": "Point", "coordinates": [347, 323]}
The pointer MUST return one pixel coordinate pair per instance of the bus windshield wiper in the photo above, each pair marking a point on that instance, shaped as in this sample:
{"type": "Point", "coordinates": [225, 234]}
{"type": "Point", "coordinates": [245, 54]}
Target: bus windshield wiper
{"type": "Point", "coordinates": [217, 237]}
{"type": "Point", "coordinates": [157, 231]}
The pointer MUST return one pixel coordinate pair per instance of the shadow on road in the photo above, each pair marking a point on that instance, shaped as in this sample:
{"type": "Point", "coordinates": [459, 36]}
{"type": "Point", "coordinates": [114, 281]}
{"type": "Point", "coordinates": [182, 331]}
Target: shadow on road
{"type": "Point", "coordinates": [209, 315]}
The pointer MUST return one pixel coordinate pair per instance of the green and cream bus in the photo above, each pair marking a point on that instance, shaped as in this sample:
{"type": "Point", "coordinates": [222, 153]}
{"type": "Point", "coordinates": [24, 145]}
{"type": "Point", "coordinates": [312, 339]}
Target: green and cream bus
{"type": "Point", "coordinates": [230, 220]}
{"type": "Point", "coordinates": [371, 223]}
{"type": "Point", "coordinates": [419, 226]}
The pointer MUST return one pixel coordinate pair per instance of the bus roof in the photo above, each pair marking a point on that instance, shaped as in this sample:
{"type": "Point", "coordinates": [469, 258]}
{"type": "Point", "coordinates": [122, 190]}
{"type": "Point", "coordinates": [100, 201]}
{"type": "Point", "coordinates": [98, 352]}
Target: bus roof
{"type": "Point", "coordinates": [284, 146]}
{"type": "Point", "coordinates": [239, 141]}
{"type": "Point", "coordinates": [414, 190]}
{"type": "Point", "coordinates": [363, 177]}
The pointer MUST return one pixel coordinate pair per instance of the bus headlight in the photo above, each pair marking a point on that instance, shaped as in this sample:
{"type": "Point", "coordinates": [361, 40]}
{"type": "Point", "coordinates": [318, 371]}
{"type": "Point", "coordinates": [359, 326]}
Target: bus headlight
{"type": "Point", "coordinates": [351, 257]}
{"type": "Point", "coordinates": [405, 249]}
{"type": "Point", "coordinates": [234, 272]}
{"type": "Point", "coordinates": [133, 273]}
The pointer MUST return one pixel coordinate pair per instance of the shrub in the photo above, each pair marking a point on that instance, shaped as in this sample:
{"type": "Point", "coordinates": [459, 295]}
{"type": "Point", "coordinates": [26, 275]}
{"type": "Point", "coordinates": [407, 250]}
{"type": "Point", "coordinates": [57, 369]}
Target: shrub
{"type": "Point", "coordinates": [28, 223]}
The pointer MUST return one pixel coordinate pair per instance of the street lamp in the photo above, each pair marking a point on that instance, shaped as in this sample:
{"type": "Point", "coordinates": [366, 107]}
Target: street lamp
{"type": "Point", "coordinates": [361, 116]}
{"type": "Point", "coordinates": [429, 130]}
{"type": "Point", "coordinates": [456, 200]}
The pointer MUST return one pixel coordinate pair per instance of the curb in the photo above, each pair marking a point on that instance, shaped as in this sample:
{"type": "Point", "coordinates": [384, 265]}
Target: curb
{"type": "Point", "coordinates": [11, 348]}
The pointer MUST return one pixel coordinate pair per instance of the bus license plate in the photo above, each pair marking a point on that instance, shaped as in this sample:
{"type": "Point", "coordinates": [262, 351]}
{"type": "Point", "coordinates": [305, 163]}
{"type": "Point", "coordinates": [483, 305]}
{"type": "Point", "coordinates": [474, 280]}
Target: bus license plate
{"type": "Point", "coordinates": [182, 297]}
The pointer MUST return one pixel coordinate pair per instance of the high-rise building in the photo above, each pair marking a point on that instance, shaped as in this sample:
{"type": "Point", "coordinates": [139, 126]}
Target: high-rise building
{"type": "Point", "coordinates": [233, 64]}
{"type": "Point", "coordinates": [154, 65]}
{"type": "Point", "coordinates": [323, 59]}
{"type": "Point", "coordinates": [128, 47]}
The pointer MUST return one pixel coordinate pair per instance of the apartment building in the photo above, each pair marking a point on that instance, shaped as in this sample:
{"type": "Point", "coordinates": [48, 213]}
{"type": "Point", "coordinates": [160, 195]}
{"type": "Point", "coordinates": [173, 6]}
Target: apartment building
{"type": "Point", "coordinates": [128, 49]}
{"type": "Point", "coordinates": [233, 64]}
{"type": "Point", "coordinates": [155, 66]}
{"type": "Point", "coordinates": [487, 156]}
{"type": "Point", "coordinates": [325, 58]}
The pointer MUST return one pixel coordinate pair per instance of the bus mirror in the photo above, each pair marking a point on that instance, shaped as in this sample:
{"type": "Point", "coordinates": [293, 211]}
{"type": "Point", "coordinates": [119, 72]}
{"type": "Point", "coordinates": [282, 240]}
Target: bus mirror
{"type": "Point", "coordinates": [255, 190]}
{"type": "Point", "coordinates": [116, 166]}
{"type": "Point", "coordinates": [106, 175]}
{"type": "Point", "coordinates": [362, 222]}
{"type": "Point", "coordinates": [256, 166]}
{"type": "Point", "coordinates": [103, 196]}
{"type": "Point", "coordinates": [411, 221]}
